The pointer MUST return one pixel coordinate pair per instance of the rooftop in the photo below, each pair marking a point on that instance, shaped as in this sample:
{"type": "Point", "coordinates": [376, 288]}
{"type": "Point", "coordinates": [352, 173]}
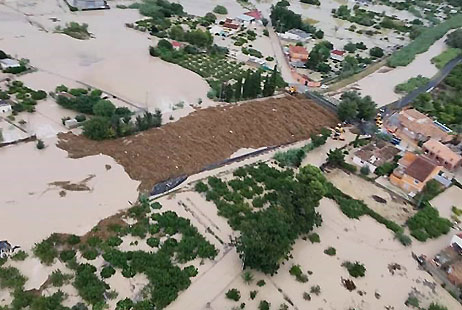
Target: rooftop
{"type": "Point", "coordinates": [421, 168]}
{"type": "Point", "coordinates": [230, 25]}
{"type": "Point", "coordinates": [255, 14]}
{"type": "Point", "coordinates": [442, 151]}
{"type": "Point", "coordinates": [5, 245]}
{"type": "Point", "coordinates": [245, 17]}
{"type": "Point", "coordinates": [377, 154]}
{"type": "Point", "coordinates": [298, 49]}
{"type": "Point", "coordinates": [9, 62]}
{"type": "Point", "coordinates": [418, 122]}
{"type": "Point", "coordinates": [337, 52]}
{"type": "Point", "coordinates": [300, 33]}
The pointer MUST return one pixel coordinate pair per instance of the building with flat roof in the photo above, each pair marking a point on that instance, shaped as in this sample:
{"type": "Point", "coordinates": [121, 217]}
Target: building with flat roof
{"type": "Point", "coordinates": [85, 5]}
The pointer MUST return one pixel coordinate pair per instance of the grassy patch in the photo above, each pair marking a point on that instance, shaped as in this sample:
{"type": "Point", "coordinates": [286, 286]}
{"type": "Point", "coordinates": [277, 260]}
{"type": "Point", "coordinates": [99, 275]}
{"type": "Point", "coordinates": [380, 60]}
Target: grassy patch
{"type": "Point", "coordinates": [422, 43]}
{"type": "Point", "coordinates": [411, 84]}
{"type": "Point", "coordinates": [442, 59]}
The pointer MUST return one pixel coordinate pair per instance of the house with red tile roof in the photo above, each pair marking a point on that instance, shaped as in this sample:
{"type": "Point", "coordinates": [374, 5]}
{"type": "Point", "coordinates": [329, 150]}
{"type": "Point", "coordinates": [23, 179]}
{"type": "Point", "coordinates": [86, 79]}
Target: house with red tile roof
{"type": "Point", "coordinates": [298, 53]}
{"type": "Point", "coordinates": [255, 14]}
{"type": "Point", "coordinates": [414, 172]}
{"type": "Point", "coordinates": [337, 55]}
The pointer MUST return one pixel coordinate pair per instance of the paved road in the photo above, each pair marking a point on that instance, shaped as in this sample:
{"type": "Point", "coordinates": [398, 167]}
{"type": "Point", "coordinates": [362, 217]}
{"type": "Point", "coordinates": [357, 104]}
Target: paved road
{"type": "Point", "coordinates": [437, 79]}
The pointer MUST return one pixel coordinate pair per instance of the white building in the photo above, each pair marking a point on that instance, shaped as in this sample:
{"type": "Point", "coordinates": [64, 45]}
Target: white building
{"type": "Point", "coordinates": [9, 63]}
{"type": "Point", "coordinates": [5, 249]}
{"type": "Point", "coordinates": [5, 106]}
{"type": "Point", "coordinates": [245, 19]}
{"type": "Point", "coordinates": [457, 239]}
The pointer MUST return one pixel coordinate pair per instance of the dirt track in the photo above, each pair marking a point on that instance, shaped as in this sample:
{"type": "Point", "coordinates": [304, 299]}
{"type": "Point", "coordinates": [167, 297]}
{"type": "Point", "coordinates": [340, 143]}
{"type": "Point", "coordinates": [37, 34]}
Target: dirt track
{"type": "Point", "coordinates": [205, 137]}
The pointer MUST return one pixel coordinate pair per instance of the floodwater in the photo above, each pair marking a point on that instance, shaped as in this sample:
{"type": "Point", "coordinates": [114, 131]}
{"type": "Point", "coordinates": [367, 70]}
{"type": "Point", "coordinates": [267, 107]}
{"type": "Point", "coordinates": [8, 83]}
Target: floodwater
{"type": "Point", "coordinates": [116, 60]}
{"type": "Point", "coordinates": [381, 84]}
{"type": "Point", "coordinates": [32, 208]}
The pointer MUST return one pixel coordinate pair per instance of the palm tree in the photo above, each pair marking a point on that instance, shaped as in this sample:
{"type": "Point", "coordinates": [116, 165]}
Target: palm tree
{"type": "Point", "coordinates": [247, 276]}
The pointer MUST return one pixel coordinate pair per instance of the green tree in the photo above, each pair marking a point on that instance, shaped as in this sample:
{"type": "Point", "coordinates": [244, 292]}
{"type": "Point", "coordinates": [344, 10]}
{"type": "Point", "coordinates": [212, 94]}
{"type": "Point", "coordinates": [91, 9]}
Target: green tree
{"type": "Point", "coordinates": [376, 52]}
{"type": "Point", "coordinates": [347, 110]}
{"type": "Point", "coordinates": [455, 39]}
{"type": "Point", "coordinates": [98, 128]}
{"type": "Point", "coordinates": [176, 33]}
{"type": "Point", "coordinates": [104, 108]}
{"type": "Point", "coordinates": [228, 92]}
{"type": "Point", "coordinates": [336, 157]}
{"type": "Point", "coordinates": [219, 9]}
{"type": "Point", "coordinates": [164, 44]}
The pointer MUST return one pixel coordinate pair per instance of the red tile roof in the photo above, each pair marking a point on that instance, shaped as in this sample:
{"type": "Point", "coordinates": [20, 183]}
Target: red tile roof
{"type": "Point", "coordinates": [176, 44]}
{"type": "Point", "coordinates": [230, 25]}
{"type": "Point", "coordinates": [337, 52]}
{"type": "Point", "coordinates": [298, 49]}
{"type": "Point", "coordinates": [255, 14]}
{"type": "Point", "coordinates": [420, 169]}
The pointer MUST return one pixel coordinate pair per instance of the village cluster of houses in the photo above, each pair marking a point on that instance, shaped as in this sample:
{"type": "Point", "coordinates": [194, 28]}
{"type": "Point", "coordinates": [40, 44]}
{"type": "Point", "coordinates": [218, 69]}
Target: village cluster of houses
{"type": "Point", "coordinates": [426, 150]}
{"type": "Point", "coordinates": [231, 26]}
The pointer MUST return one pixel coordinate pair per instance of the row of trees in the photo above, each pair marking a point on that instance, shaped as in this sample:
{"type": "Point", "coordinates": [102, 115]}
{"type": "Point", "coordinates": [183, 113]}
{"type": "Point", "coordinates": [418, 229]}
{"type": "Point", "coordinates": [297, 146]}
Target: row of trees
{"type": "Point", "coordinates": [103, 127]}
{"type": "Point", "coordinates": [250, 86]}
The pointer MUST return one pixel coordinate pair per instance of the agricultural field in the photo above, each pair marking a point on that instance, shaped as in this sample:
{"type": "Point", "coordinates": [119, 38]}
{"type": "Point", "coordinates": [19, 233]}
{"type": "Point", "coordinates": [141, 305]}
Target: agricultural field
{"type": "Point", "coordinates": [213, 68]}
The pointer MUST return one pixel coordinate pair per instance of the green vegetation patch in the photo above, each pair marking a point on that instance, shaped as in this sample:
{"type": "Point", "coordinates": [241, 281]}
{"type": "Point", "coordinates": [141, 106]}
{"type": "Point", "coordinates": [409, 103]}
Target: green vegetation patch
{"type": "Point", "coordinates": [442, 59]}
{"type": "Point", "coordinates": [411, 84]}
{"type": "Point", "coordinates": [75, 30]}
{"type": "Point", "coordinates": [422, 43]}
{"type": "Point", "coordinates": [427, 223]}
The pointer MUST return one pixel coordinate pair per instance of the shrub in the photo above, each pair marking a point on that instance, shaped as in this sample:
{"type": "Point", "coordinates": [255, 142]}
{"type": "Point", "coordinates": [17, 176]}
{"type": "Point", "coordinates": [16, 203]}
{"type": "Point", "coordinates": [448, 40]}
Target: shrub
{"type": "Point", "coordinates": [219, 9]}
{"type": "Point", "coordinates": [412, 301]}
{"type": "Point", "coordinates": [40, 145]}
{"type": "Point", "coordinates": [404, 239]}
{"type": "Point", "coordinates": [435, 306]}
{"type": "Point", "coordinates": [253, 294]}
{"type": "Point", "coordinates": [153, 242]}
{"type": "Point", "coordinates": [306, 296]}
{"type": "Point", "coordinates": [330, 251]}
{"type": "Point", "coordinates": [73, 240]}
{"type": "Point", "coordinates": [315, 289]}
{"type": "Point", "coordinates": [46, 251]}
{"type": "Point", "coordinates": [67, 255]}
{"type": "Point", "coordinates": [39, 95]}
{"type": "Point", "coordinates": [90, 254]}
{"type": "Point", "coordinates": [107, 272]}
{"type": "Point", "coordinates": [264, 305]}
{"type": "Point", "coordinates": [233, 294]}
{"type": "Point", "coordinates": [201, 187]}
{"type": "Point", "coordinates": [297, 272]}
{"type": "Point", "coordinates": [427, 223]}
{"type": "Point", "coordinates": [247, 276]}
{"type": "Point", "coordinates": [365, 170]}
{"type": "Point", "coordinates": [10, 277]}
{"type": "Point", "coordinates": [80, 118]}
{"type": "Point", "coordinates": [261, 283]}
{"type": "Point", "coordinates": [356, 269]}
{"type": "Point", "coordinates": [314, 238]}
{"type": "Point", "coordinates": [58, 279]}
{"type": "Point", "coordinates": [19, 256]}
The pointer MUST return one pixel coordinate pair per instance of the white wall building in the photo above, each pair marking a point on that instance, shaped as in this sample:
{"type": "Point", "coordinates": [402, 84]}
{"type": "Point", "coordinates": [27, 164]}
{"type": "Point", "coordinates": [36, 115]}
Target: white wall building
{"type": "Point", "coordinates": [9, 63]}
{"type": "Point", "coordinates": [5, 106]}
{"type": "Point", "coordinates": [457, 239]}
